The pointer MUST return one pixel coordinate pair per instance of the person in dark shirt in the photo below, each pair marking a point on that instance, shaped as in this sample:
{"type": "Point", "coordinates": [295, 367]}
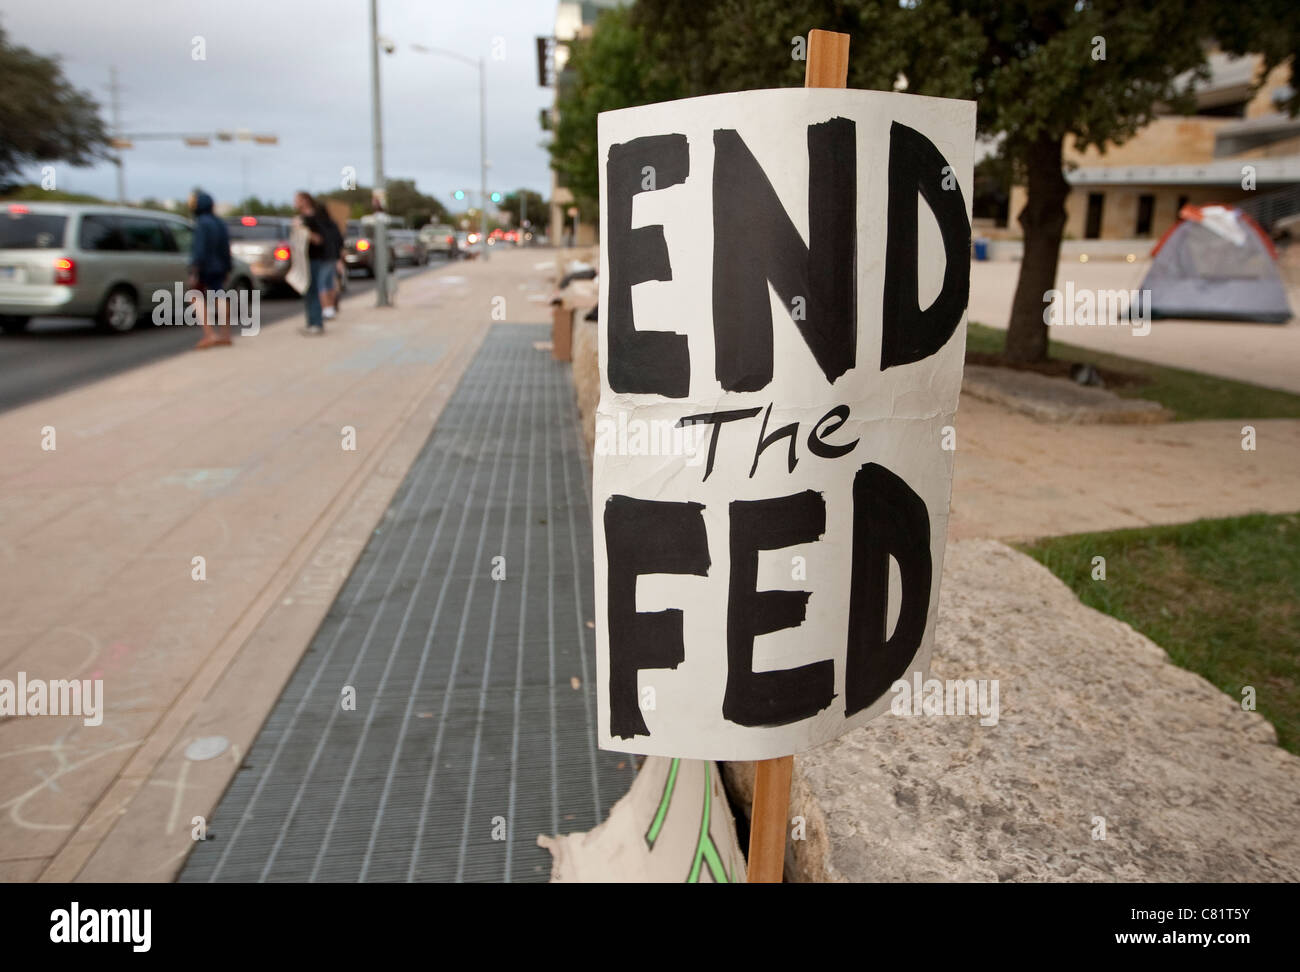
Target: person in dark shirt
{"type": "Point", "coordinates": [324, 246]}
{"type": "Point", "coordinates": [210, 264]}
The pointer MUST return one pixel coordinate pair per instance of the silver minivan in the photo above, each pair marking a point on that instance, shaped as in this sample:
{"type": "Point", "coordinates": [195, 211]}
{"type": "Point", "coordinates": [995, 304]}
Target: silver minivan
{"type": "Point", "coordinates": [103, 262]}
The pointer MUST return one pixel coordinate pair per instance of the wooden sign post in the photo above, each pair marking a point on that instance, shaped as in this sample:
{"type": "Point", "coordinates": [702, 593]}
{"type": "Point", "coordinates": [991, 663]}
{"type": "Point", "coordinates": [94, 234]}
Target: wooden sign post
{"type": "Point", "coordinates": [827, 67]}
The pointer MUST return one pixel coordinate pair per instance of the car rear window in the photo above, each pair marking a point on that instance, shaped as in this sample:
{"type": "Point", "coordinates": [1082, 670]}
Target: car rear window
{"type": "Point", "coordinates": [262, 231]}
{"type": "Point", "coordinates": [31, 231]}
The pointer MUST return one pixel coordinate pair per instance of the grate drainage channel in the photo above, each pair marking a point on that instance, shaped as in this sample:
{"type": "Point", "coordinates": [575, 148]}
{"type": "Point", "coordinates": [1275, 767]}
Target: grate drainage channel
{"type": "Point", "coordinates": [468, 738]}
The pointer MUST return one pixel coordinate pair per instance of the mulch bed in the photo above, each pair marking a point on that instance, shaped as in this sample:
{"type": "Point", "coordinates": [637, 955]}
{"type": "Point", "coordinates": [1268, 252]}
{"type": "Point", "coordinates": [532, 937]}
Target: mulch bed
{"type": "Point", "coordinates": [1055, 368]}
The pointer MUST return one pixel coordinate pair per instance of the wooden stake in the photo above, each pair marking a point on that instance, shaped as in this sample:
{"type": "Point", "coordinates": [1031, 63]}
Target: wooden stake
{"type": "Point", "coordinates": [767, 819]}
{"type": "Point", "coordinates": [827, 67]}
{"type": "Point", "coordinates": [828, 60]}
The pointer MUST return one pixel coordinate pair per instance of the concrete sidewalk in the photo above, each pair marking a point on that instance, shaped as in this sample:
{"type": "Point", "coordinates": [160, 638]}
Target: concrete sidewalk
{"type": "Point", "coordinates": [236, 456]}
{"type": "Point", "coordinates": [1261, 354]}
{"type": "Point", "coordinates": [1016, 479]}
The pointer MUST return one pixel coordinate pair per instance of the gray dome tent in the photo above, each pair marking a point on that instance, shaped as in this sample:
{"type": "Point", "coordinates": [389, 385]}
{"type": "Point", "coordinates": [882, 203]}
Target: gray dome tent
{"type": "Point", "coordinates": [1216, 263]}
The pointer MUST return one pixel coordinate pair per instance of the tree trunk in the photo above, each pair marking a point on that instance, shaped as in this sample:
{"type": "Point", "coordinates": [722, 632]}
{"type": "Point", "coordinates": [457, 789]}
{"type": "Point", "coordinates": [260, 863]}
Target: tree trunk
{"type": "Point", "coordinates": [1043, 222]}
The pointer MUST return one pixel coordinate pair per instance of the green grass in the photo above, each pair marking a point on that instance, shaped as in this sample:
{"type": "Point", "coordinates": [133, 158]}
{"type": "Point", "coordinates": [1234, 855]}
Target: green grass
{"type": "Point", "coordinates": [1190, 395]}
{"type": "Point", "coordinates": [1222, 597]}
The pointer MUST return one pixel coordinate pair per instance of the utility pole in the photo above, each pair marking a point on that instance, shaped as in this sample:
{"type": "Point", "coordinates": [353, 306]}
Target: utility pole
{"type": "Point", "coordinates": [380, 259]}
{"type": "Point", "coordinates": [482, 151]}
{"type": "Point", "coordinates": [482, 129]}
{"type": "Point", "coordinates": [114, 91]}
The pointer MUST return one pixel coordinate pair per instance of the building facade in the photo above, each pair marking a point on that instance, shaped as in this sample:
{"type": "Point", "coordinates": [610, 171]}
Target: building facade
{"type": "Point", "coordinates": [1238, 148]}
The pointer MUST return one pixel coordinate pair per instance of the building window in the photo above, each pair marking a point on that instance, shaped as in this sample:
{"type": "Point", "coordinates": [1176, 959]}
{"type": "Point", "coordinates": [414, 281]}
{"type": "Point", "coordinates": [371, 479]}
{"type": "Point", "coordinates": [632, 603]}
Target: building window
{"type": "Point", "coordinates": [1092, 229]}
{"type": "Point", "coordinates": [1146, 205]}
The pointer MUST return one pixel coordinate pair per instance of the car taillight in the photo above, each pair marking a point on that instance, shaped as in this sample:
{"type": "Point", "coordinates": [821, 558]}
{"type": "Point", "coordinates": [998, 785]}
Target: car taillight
{"type": "Point", "coordinates": [17, 210]}
{"type": "Point", "coordinates": [281, 253]}
{"type": "Point", "coordinates": [65, 271]}
{"type": "Point", "coordinates": [363, 245]}
{"type": "Point", "coordinates": [450, 240]}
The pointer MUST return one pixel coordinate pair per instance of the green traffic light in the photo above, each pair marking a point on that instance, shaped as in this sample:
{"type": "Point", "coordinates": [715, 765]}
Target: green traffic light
{"type": "Point", "coordinates": [496, 197]}
{"type": "Point", "coordinates": [459, 194]}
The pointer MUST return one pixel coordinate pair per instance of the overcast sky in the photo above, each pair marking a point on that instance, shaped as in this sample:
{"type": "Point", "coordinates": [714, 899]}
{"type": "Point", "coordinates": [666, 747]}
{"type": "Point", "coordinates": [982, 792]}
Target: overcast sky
{"type": "Point", "coordinates": [300, 69]}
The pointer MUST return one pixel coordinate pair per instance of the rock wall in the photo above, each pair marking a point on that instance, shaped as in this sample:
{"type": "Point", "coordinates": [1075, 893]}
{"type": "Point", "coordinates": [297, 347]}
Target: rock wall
{"type": "Point", "coordinates": [1094, 722]}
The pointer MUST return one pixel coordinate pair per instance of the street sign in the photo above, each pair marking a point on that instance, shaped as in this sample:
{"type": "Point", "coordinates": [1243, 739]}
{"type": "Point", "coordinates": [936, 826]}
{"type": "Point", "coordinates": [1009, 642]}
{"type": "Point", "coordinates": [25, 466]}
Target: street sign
{"type": "Point", "coordinates": [783, 285]}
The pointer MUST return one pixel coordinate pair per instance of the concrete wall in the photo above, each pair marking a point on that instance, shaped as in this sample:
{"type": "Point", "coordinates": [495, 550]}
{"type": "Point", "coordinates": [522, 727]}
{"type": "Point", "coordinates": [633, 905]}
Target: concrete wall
{"type": "Point", "coordinates": [1120, 207]}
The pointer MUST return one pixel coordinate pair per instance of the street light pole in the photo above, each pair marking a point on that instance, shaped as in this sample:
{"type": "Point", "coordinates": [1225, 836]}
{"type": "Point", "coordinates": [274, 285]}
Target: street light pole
{"type": "Point", "coordinates": [482, 129]}
{"type": "Point", "coordinates": [482, 151]}
{"type": "Point", "coordinates": [380, 258]}
{"type": "Point", "coordinates": [117, 133]}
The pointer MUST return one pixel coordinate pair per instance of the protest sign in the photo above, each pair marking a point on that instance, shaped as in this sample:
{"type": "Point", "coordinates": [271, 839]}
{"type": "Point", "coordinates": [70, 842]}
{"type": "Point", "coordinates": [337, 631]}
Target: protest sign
{"type": "Point", "coordinates": [783, 284]}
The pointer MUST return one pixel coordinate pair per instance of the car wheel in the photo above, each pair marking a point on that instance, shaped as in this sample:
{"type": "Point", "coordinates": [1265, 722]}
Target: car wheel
{"type": "Point", "coordinates": [120, 310]}
{"type": "Point", "coordinates": [12, 324]}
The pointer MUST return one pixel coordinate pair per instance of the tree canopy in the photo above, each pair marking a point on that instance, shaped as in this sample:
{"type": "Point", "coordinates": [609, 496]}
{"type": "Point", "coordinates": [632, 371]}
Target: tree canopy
{"type": "Point", "coordinates": [44, 118]}
{"type": "Point", "coordinates": [1039, 70]}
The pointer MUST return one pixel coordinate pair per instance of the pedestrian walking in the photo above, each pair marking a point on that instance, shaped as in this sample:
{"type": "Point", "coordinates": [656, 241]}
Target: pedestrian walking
{"type": "Point", "coordinates": [209, 267]}
{"type": "Point", "coordinates": [324, 244]}
{"type": "Point", "coordinates": [330, 296]}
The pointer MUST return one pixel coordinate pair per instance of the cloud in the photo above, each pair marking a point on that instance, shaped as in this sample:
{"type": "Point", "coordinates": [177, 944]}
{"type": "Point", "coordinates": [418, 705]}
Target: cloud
{"type": "Point", "coordinates": [300, 69]}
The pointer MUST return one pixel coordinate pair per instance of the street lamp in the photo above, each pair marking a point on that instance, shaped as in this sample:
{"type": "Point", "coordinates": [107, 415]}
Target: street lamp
{"type": "Point", "coordinates": [482, 126]}
{"type": "Point", "coordinates": [380, 262]}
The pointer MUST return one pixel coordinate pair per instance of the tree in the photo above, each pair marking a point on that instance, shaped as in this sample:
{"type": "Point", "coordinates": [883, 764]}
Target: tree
{"type": "Point", "coordinates": [415, 207]}
{"type": "Point", "coordinates": [1093, 71]}
{"type": "Point", "coordinates": [34, 193]}
{"type": "Point", "coordinates": [1034, 67]}
{"type": "Point", "coordinates": [254, 206]}
{"type": "Point", "coordinates": [537, 208]}
{"type": "Point", "coordinates": [43, 118]}
{"type": "Point", "coordinates": [358, 200]}
{"type": "Point", "coordinates": [614, 68]}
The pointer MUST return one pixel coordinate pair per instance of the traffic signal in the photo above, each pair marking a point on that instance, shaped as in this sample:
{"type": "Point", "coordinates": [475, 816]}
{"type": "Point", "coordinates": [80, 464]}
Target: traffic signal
{"type": "Point", "coordinates": [458, 195]}
{"type": "Point", "coordinates": [496, 197]}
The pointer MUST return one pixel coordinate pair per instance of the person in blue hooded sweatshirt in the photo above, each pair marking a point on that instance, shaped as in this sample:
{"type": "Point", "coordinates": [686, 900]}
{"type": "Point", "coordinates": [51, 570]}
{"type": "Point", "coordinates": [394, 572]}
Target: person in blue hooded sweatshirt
{"type": "Point", "coordinates": [210, 263]}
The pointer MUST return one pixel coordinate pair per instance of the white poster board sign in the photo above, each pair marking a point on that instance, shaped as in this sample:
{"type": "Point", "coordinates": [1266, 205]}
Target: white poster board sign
{"type": "Point", "coordinates": [783, 286]}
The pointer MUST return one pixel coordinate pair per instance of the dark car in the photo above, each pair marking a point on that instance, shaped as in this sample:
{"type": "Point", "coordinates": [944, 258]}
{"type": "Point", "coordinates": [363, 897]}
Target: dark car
{"type": "Point", "coordinates": [359, 248]}
{"type": "Point", "coordinates": [263, 243]}
{"type": "Point", "coordinates": [408, 247]}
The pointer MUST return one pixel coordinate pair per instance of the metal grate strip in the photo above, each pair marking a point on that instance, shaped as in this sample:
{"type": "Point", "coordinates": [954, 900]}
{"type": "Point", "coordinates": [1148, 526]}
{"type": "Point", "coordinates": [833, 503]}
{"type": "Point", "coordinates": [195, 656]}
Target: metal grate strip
{"type": "Point", "coordinates": [468, 738]}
